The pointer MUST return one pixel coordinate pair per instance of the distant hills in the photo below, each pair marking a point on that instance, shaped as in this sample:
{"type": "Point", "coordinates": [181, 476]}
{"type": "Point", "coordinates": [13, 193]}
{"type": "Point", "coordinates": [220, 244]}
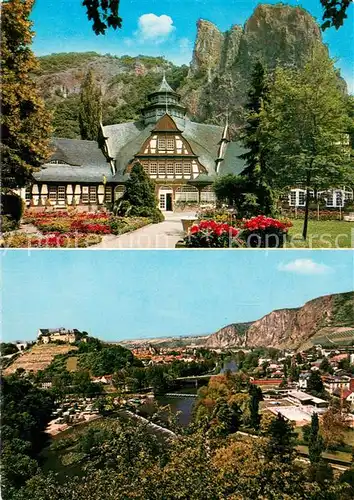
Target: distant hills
{"type": "Point", "coordinates": [327, 320]}
{"type": "Point", "coordinates": [216, 82]}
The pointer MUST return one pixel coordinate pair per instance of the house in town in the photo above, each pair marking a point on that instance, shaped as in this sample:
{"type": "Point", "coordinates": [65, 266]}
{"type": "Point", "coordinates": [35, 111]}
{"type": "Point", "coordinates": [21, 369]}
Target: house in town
{"type": "Point", "coordinates": [182, 157]}
{"type": "Point", "coordinates": [303, 380]}
{"type": "Point", "coordinates": [333, 383]}
{"type": "Point", "coordinates": [47, 335]}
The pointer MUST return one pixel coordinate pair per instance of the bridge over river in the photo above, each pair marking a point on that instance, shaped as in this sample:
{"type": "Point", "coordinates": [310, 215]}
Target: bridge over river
{"type": "Point", "coordinates": [180, 395]}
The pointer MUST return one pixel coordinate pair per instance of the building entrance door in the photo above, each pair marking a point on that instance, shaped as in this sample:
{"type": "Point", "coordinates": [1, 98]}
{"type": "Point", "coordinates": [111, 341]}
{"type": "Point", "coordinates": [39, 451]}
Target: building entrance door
{"type": "Point", "coordinates": [169, 202]}
{"type": "Point", "coordinates": [165, 199]}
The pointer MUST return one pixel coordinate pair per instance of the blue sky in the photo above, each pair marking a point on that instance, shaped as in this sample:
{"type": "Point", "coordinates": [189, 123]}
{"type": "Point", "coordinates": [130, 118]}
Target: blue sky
{"type": "Point", "coordinates": [62, 26]}
{"type": "Point", "coordinates": [132, 294]}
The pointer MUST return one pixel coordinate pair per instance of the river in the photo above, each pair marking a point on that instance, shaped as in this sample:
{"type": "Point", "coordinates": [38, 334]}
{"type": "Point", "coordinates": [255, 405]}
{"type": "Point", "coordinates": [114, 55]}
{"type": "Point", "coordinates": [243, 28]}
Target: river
{"type": "Point", "coordinates": [185, 405]}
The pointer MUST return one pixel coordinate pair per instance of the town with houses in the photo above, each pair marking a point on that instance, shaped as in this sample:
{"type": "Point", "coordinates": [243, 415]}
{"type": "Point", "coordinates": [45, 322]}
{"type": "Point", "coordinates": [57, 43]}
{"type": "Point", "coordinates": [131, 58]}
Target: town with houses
{"type": "Point", "coordinates": [286, 378]}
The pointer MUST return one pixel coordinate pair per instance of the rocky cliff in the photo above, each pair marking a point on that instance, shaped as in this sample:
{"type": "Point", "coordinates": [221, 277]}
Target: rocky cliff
{"type": "Point", "coordinates": [293, 328]}
{"type": "Point", "coordinates": [216, 82]}
{"type": "Point", "coordinates": [222, 63]}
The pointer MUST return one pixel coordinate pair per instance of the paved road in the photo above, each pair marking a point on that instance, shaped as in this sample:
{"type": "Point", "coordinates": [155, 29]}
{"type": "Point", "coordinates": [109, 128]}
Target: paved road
{"type": "Point", "coordinates": [162, 235]}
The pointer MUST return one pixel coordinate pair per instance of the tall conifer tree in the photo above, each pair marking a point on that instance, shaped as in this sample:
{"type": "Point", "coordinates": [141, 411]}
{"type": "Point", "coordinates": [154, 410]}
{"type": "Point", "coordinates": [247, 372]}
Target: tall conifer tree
{"type": "Point", "coordinates": [25, 123]}
{"type": "Point", "coordinates": [315, 444]}
{"type": "Point", "coordinates": [256, 171]}
{"type": "Point", "coordinates": [90, 108]}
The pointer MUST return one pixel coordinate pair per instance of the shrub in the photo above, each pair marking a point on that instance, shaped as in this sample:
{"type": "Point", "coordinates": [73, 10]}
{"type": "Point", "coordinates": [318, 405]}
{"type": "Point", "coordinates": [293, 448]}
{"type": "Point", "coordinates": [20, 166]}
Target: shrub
{"type": "Point", "coordinates": [8, 224]}
{"type": "Point", "coordinates": [264, 232]}
{"type": "Point", "coordinates": [217, 214]}
{"type": "Point", "coordinates": [117, 225]}
{"type": "Point", "coordinates": [140, 189]}
{"type": "Point", "coordinates": [153, 213]}
{"type": "Point", "coordinates": [210, 234]}
{"type": "Point", "coordinates": [12, 205]}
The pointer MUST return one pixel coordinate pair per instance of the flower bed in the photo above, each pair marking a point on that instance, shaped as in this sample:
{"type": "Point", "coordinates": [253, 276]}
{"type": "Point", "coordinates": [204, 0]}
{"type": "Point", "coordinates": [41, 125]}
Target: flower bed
{"type": "Point", "coordinates": [70, 229]}
{"type": "Point", "coordinates": [54, 240]}
{"type": "Point", "coordinates": [211, 234]}
{"type": "Point", "coordinates": [257, 232]}
{"type": "Point", "coordinates": [323, 214]}
{"type": "Point", "coordinates": [84, 223]}
{"type": "Point", "coordinates": [217, 215]}
{"type": "Point", "coordinates": [264, 232]}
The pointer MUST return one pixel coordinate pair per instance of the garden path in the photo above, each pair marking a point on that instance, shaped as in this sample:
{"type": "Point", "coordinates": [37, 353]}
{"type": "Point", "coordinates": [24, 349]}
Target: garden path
{"type": "Point", "coordinates": [162, 235]}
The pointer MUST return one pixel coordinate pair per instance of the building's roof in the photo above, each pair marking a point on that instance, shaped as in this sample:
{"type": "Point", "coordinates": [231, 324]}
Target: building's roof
{"type": "Point", "coordinates": [48, 331]}
{"type": "Point", "coordinates": [166, 124]}
{"type": "Point", "coordinates": [164, 86]}
{"type": "Point", "coordinates": [232, 163]}
{"type": "Point", "coordinates": [124, 140]}
{"type": "Point", "coordinates": [82, 161]}
{"type": "Point", "coordinates": [301, 396]}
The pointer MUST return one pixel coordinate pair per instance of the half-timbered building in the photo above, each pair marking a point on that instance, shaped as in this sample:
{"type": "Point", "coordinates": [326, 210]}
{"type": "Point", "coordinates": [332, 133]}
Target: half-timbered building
{"type": "Point", "coordinates": [182, 157]}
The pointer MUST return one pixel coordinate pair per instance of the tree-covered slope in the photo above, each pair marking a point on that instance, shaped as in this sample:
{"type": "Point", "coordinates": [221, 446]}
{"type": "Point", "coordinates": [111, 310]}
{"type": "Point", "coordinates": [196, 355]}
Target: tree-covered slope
{"type": "Point", "coordinates": [124, 81]}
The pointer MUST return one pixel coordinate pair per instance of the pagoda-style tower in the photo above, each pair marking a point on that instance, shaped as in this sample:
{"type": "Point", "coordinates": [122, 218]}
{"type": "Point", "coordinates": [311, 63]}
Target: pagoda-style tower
{"type": "Point", "coordinates": [161, 102]}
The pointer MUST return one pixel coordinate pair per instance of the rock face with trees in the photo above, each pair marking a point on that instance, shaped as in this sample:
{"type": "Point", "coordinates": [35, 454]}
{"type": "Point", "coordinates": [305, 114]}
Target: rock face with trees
{"type": "Point", "coordinates": [291, 328]}
{"type": "Point", "coordinates": [222, 64]}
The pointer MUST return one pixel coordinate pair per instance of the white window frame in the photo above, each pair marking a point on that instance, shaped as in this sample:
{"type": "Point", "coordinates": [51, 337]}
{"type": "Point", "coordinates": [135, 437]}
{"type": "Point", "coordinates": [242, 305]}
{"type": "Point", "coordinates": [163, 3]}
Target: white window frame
{"type": "Point", "coordinates": [85, 194]}
{"type": "Point", "coordinates": [207, 195]}
{"type": "Point", "coordinates": [108, 194]}
{"type": "Point", "coordinates": [93, 194]}
{"type": "Point", "coordinates": [153, 168]}
{"type": "Point", "coordinates": [187, 194]}
{"type": "Point", "coordinates": [161, 143]}
{"type": "Point", "coordinates": [170, 144]}
{"type": "Point", "coordinates": [52, 193]}
{"type": "Point", "coordinates": [162, 169]}
{"type": "Point", "coordinates": [297, 197]}
{"type": "Point", "coordinates": [187, 169]}
{"type": "Point", "coordinates": [178, 168]}
{"type": "Point", "coordinates": [170, 170]}
{"type": "Point", "coordinates": [61, 193]}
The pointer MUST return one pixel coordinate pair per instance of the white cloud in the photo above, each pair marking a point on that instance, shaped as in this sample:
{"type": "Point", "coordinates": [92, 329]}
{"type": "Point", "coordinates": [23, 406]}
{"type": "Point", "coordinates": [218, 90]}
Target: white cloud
{"type": "Point", "coordinates": [155, 28]}
{"type": "Point", "coordinates": [304, 266]}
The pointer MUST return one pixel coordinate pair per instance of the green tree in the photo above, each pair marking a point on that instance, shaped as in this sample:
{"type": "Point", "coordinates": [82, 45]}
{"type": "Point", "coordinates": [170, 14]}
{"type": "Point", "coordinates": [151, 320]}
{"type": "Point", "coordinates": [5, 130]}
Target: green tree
{"type": "Point", "coordinates": [103, 14]}
{"type": "Point", "coordinates": [281, 440]}
{"type": "Point", "coordinates": [257, 172]}
{"type": "Point", "coordinates": [140, 192]}
{"type": "Point", "coordinates": [334, 12]}
{"type": "Point", "coordinates": [8, 348]}
{"type": "Point", "coordinates": [315, 441]}
{"type": "Point", "coordinates": [66, 118]}
{"type": "Point", "coordinates": [89, 108]}
{"type": "Point", "coordinates": [306, 118]}
{"type": "Point", "coordinates": [25, 123]}
{"type": "Point", "coordinates": [227, 418]}
{"type": "Point", "coordinates": [315, 384]}
{"type": "Point", "coordinates": [234, 190]}
{"type": "Point", "coordinates": [255, 393]}
{"type": "Point", "coordinates": [326, 366]}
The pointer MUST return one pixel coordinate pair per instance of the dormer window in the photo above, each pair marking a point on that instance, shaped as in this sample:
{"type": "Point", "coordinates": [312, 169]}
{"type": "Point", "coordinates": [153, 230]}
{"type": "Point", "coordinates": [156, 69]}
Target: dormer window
{"type": "Point", "coordinates": [170, 144]}
{"type": "Point", "coordinates": [161, 143]}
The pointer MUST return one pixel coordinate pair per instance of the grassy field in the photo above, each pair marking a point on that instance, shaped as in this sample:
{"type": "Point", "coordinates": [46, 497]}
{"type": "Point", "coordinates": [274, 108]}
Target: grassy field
{"type": "Point", "coordinates": [38, 357]}
{"type": "Point", "coordinates": [322, 234]}
{"type": "Point", "coordinates": [71, 364]}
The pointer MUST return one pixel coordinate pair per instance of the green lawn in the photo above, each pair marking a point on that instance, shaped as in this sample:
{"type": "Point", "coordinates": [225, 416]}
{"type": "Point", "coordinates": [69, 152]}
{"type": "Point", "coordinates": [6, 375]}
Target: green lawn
{"type": "Point", "coordinates": [71, 364]}
{"type": "Point", "coordinates": [322, 234]}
